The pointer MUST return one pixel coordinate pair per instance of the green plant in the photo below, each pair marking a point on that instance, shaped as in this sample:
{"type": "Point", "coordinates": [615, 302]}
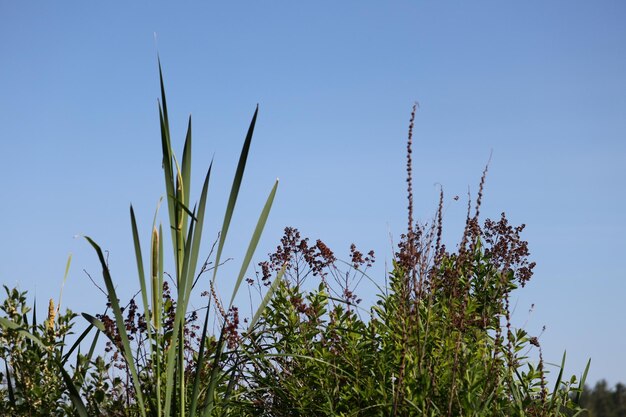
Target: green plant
{"type": "Point", "coordinates": [32, 381]}
{"type": "Point", "coordinates": [35, 382]}
{"type": "Point", "coordinates": [439, 341]}
{"type": "Point", "coordinates": [163, 383]}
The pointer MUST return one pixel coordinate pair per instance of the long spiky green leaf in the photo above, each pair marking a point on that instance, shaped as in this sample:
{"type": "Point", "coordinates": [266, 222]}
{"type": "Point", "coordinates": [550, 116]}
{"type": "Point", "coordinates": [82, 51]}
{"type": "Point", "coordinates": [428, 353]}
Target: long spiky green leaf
{"type": "Point", "coordinates": [267, 297]}
{"type": "Point", "coordinates": [581, 384]}
{"type": "Point", "coordinates": [175, 343]}
{"type": "Point", "coordinates": [234, 191]}
{"type": "Point", "coordinates": [254, 241]}
{"type": "Point", "coordinates": [77, 342]}
{"type": "Point", "coordinates": [186, 169]}
{"type": "Point", "coordinates": [195, 243]}
{"type": "Point", "coordinates": [140, 272]}
{"type": "Point", "coordinates": [200, 362]}
{"type": "Point", "coordinates": [81, 409]}
{"type": "Point", "coordinates": [557, 383]}
{"type": "Point", "coordinates": [119, 321]}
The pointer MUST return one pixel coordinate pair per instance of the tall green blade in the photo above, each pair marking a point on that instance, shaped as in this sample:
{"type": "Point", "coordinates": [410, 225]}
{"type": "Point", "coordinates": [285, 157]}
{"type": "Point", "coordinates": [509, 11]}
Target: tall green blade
{"type": "Point", "coordinates": [210, 393]}
{"type": "Point", "coordinates": [77, 343]}
{"type": "Point", "coordinates": [258, 230]}
{"type": "Point", "coordinates": [168, 170]}
{"type": "Point", "coordinates": [98, 324]}
{"type": "Point", "coordinates": [186, 169]}
{"type": "Point", "coordinates": [140, 272]}
{"type": "Point", "coordinates": [195, 248]}
{"type": "Point", "coordinates": [121, 327]}
{"type": "Point", "coordinates": [175, 343]}
{"type": "Point", "coordinates": [267, 297]}
{"type": "Point", "coordinates": [200, 363]}
{"type": "Point", "coordinates": [581, 384]}
{"type": "Point", "coordinates": [234, 191]}
{"type": "Point", "coordinates": [34, 325]}
{"type": "Point", "coordinates": [163, 94]}
{"type": "Point", "coordinates": [168, 173]}
{"type": "Point", "coordinates": [73, 393]}
{"type": "Point", "coordinates": [558, 381]}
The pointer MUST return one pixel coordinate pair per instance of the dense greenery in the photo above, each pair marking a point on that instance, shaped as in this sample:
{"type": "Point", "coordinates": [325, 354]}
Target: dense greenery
{"type": "Point", "coordinates": [438, 341]}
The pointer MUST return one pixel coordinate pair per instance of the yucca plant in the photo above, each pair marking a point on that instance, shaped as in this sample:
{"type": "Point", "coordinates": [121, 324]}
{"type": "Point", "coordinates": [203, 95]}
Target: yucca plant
{"type": "Point", "coordinates": [163, 385]}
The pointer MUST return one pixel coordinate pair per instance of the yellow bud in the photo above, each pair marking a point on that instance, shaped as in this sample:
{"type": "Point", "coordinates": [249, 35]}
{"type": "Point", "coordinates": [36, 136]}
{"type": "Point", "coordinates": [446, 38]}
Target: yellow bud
{"type": "Point", "coordinates": [51, 315]}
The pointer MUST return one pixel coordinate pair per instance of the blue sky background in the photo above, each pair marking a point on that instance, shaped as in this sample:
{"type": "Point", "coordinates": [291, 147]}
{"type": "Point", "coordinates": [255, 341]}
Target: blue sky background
{"type": "Point", "coordinates": [541, 84]}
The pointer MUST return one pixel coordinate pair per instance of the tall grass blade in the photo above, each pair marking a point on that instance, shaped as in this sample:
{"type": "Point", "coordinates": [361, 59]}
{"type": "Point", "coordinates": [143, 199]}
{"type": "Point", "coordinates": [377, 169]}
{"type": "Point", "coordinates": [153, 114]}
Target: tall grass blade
{"type": "Point", "coordinates": [34, 325]}
{"type": "Point", "coordinates": [581, 384]}
{"type": "Point", "coordinates": [200, 364]}
{"type": "Point", "coordinates": [267, 297]}
{"type": "Point", "coordinates": [78, 342]}
{"type": "Point", "coordinates": [163, 95]}
{"type": "Point", "coordinates": [557, 383]}
{"type": "Point", "coordinates": [186, 169]}
{"type": "Point", "coordinates": [73, 393]}
{"type": "Point", "coordinates": [176, 345]}
{"type": "Point", "coordinates": [140, 272]}
{"type": "Point", "coordinates": [166, 146]}
{"type": "Point", "coordinates": [234, 191]}
{"type": "Point", "coordinates": [65, 275]}
{"type": "Point", "coordinates": [210, 393]}
{"type": "Point", "coordinates": [254, 241]}
{"type": "Point", "coordinates": [121, 327]}
{"type": "Point", "coordinates": [195, 248]}
{"type": "Point", "coordinates": [94, 322]}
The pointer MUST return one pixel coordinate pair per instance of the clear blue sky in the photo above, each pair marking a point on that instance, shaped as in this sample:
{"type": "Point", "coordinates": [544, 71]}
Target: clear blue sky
{"type": "Point", "coordinates": [541, 84]}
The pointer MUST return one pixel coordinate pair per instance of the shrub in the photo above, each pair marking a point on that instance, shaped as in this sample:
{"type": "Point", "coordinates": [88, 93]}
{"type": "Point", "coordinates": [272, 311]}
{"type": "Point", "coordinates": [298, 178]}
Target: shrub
{"type": "Point", "coordinates": [439, 341]}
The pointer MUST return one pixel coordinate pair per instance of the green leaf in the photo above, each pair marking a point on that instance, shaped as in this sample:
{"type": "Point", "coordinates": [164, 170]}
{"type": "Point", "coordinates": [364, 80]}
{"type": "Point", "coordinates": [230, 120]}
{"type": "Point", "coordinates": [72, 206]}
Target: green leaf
{"type": "Point", "coordinates": [267, 297]}
{"type": "Point", "coordinates": [11, 325]}
{"type": "Point", "coordinates": [557, 384]}
{"type": "Point", "coordinates": [73, 393]}
{"type": "Point", "coordinates": [34, 325]}
{"type": "Point", "coordinates": [581, 384]}
{"type": "Point", "coordinates": [200, 363]}
{"type": "Point", "coordinates": [175, 344]}
{"type": "Point", "coordinates": [186, 169]}
{"type": "Point", "coordinates": [254, 241]}
{"type": "Point", "coordinates": [195, 243]}
{"type": "Point", "coordinates": [234, 191]}
{"type": "Point", "coordinates": [94, 322]}
{"type": "Point", "coordinates": [119, 321]}
{"type": "Point", "coordinates": [141, 272]}
{"type": "Point", "coordinates": [78, 341]}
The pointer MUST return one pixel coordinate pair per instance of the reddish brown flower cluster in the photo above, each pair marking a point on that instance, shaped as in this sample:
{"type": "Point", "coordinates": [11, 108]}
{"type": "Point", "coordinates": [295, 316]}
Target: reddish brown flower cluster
{"type": "Point", "coordinates": [136, 327]}
{"type": "Point", "coordinates": [358, 259]}
{"type": "Point", "coordinates": [506, 250]}
{"type": "Point", "coordinates": [299, 258]}
{"type": "Point", "coordinates": [231, 328]}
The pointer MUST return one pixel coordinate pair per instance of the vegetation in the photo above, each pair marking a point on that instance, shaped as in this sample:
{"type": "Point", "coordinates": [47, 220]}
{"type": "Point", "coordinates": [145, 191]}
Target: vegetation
{"type": "Point", "coordinates": [602, 401]}
{"type": "Point", "coordinates": [438, 342]}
